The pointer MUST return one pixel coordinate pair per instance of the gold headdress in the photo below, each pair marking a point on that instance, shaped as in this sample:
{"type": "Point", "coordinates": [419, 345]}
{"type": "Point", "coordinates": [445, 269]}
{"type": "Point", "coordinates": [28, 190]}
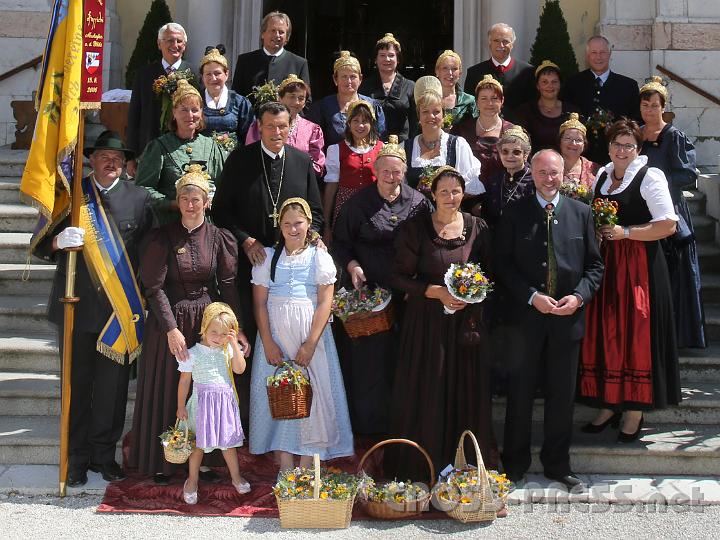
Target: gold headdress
{"type": "Point", "coordinates": [346, 61]}
{"type": "Point", "coordinates": [392, 149]}
{"type": "Point", "coordinates": [389, 39]}
{"type": "Point", "coordinates": [445, 169]}
{"type": "Point", "coordinates": [518, 132]}
{"type": "Point", "coordinates": [183, 90]}
{"type": "Point", "coordinates": [290, 79]}
{"type": "Point", "coordinates": [447, 53]}
{"type": "Point", "coordinates": [546, 64]}
{"type": "Point", "coordinates": [361, 103]}
{"type": "Point", "coordinates": [427, 84]}
{"type": "Point", "coordinates": [195, 176]}
{"type": "Point", "coordinates": [573, 122]}
{"type": "Point", "coordinates": [655, 83]}
{"type": "Point", "coordinates": [212, 311]}
{"type": "Point", "coordinates": [214, 55]}
{"type": "Point", "coordinates": [488, 80]}
{"type": "Point", "coordinates": [302, 202]}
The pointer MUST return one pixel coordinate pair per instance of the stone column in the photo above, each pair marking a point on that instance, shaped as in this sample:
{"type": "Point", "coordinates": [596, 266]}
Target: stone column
{"type": "Point", "coordinates": [203, 22]}
{"type": "Point", "coordinates": [246, 30]}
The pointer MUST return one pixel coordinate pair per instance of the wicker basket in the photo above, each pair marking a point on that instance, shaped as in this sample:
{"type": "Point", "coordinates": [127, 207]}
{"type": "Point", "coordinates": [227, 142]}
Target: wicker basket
{"type": "Point", "coordinates": [289, 402]}
{"type": "Point", "coordinates": [370, 322]}
{"type": "Point", "coordinates": [392, 509]}
{"type": "Point", "coordinates": [315, 513]}
{"type": "Point", "coordinates": [484, 506]}
{"type": "Point", "coordinates": [179, 454]}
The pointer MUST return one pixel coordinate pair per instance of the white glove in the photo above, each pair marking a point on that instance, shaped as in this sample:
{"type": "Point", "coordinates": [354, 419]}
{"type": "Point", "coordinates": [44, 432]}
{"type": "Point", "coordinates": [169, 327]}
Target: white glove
{"type": "Point", "coordinates": [71, 237]}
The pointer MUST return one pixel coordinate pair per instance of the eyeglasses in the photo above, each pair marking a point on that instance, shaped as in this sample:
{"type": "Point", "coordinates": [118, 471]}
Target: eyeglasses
{"type": "Point", "coordinates": [546, 174]}
{"type": "Point", "coordinates": [571, 140]}
{"type": "Point", "coordinates": [626, 147]}
{"type": "Point", "coordinates": [515, 152]}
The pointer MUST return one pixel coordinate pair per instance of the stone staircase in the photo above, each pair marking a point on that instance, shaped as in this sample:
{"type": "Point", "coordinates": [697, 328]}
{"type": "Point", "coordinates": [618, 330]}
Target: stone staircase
{"type": "Point", "coordinates": [678, 441]}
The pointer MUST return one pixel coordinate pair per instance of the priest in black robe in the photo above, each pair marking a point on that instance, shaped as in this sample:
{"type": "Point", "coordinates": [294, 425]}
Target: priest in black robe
{"type": "Point", "coordinates": [271, 62]}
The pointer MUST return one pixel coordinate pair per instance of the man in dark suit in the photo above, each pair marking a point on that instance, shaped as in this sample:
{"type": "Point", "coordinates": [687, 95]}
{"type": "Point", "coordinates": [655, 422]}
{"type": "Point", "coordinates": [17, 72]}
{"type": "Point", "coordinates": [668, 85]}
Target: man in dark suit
{"type": "Point", "coordinates": [598, 90]}
{"type": "Point", "coordinates": [255, 182]}
{"type": "Point", "coordinates": [549, 267]}
{"type": "Point", "coordinates": [272, 62]}
{"type": "Point", "coordinates": [517, 77]}
{"type": "Point", "coordinates": [99, 385]}
{"type": "Point", "coordinates": [145, 106]}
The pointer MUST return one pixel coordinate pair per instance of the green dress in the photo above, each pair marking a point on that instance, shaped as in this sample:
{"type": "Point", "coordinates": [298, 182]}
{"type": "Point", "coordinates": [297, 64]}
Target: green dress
{"type": "Point", "coordinates": [464, 106]}
{"type": "Point", "coordinates": [164, 162]}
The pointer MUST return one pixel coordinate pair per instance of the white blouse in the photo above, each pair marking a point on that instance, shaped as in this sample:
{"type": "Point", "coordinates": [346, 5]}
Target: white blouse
{"type": "Point", "coordinates": [222, 102]}
{"type": "Point", "coordinates": [465, 162]}
{"type": "Point", "coordinates": [325, 269]}
{"type": "Point", "coordinates": [653, 188]}
{"type": "Point", "coordinates": [332, 160]}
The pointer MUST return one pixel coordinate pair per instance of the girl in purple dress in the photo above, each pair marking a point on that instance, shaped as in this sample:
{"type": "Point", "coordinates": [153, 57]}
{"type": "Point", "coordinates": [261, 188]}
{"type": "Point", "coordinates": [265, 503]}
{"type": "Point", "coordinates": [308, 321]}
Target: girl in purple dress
{"type": "Point", "coordinates": [212, 411]}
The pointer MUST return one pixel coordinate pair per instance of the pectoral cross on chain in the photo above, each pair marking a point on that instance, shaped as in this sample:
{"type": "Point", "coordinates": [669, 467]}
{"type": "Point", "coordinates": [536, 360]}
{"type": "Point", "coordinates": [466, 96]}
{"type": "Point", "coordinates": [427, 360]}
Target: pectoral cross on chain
{"type": "Point", "coordinates": [275, 216]}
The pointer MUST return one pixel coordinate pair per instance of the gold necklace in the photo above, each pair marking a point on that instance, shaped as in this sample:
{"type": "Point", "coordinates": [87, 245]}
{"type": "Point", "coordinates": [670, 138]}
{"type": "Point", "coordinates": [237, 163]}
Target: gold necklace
{"type": "Point", "coordinates": [273, 200]}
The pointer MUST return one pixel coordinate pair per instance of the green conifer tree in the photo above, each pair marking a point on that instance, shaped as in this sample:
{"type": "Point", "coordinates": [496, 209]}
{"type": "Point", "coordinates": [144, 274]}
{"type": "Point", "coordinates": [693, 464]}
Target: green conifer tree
{"type": "Point", "coordinates": [146, 50]}
{"type": "Point", "coordinates": [552, 41]}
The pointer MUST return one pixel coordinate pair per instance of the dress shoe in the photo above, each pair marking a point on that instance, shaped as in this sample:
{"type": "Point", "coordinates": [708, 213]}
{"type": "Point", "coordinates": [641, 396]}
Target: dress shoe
{"type": "Point", "coordinates": [161, 479]}
{"type": "Point", "coordinates": [110, 471]}
{"type": "Point", "coordinates": [242, 487]}
{"type": "Point", "coordinates": [630, 437]}
{"type": "Point", "coordinates": [570, 481]}
{"type": "Point", "coordinates": [613, 421]}
{"type": "Point", "coordinates": [209, 476]}
{"type": "Point", "coordinates": [190, 497]}
{"type": "Point", "coordinates": [77, 478]}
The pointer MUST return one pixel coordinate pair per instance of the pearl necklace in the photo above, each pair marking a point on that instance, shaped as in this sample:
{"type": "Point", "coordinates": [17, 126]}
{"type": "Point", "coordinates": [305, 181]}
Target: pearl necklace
{"type": "Point", "coordinates": [482, 128]}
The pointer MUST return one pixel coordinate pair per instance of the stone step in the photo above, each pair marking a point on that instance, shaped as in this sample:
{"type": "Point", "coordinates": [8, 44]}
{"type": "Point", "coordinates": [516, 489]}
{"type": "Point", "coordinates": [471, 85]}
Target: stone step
{"type": "Point", "coordinates": [14, 248]}
{"type": "Point", "coordinates": [24, 313]}
{"type": "Point", "coordinates": [37, 394]}
{"type": "Point", "coordinates": [712, 321]}
{"type": "Point", "coordinates": [710, 283]}
{"type": "Point", "coordinates": [696, 201]}
{"type": "Point", "coordinates": [700, 365]}
{"type": "Point", "coordinates": [17, 218]}
{"type": "Point", "coordinates": [709, 256]}
{"type": "Point", "coordinates": [12, 162]}
{"type": "Point", "coordinates": [9, 190]}
{"type": "Point", "coordinates": [704, 228]}
{"type": "Point", "coordinates": [37, 353]}
{"type": "Point", "coordinates": [39, 279]}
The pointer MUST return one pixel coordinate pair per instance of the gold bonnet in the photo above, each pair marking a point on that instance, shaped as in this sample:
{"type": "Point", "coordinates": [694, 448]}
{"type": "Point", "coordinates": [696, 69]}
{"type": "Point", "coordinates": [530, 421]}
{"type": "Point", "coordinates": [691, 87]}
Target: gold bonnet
{"type": "Point", "coordinates": [290, 79]}
{"type": "Point", "coordinates": [427, 84]}
{"type": "Point", "coordinates": [195, 176]}
{"type": "Point", "coordinates": [183, 90]}
{"type": "Point", "coordinates": [214, 56]}
{"type": "Point", "coordinates": [546, 64]}
{"type": "Point", "coordinates": [518, 132]}
{"type": "Point", "coordinates": [655, 83]}
{"type": "Point", "coordinates": [302, 202]}
{"type": "Point", "coordinates": [488, 80]}
{"type": "Point", "coordinates": [392, 149]}
{"type": "Point", "coordinates": [361, 103]}
{"type": "Point", "coordinates": [447, 53]}
{"type": "Point", "coordinates": [573, 123]}
{"type": "Point", "coordinates": [389, 39]}
{"type": "Point", "coordinates": [346, 61]}
{"type": "Point", "coordinates": [212, 311]}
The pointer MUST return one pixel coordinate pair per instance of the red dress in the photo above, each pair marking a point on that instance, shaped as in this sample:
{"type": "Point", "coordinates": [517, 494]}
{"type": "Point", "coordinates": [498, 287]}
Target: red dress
{"type": "Point", "coordinates": [356, 172]}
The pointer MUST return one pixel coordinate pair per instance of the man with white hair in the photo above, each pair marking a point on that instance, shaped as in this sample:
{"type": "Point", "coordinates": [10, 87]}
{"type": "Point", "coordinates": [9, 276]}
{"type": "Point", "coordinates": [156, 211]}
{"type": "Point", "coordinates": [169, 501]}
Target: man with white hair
{"type": "Point", "coordinates": [516, 76]}
{"type": "Point", "coordinates": [144, 112]}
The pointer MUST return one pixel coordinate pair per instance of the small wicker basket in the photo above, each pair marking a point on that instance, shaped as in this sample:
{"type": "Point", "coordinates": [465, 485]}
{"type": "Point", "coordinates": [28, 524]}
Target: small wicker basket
{"type": "Point", "coordinates": [315, 513]}
{"type": "Point", "coordinates": [179, 454]}
{"type": "Point", "coordinates": [392, 509]}
{"type": "Point", "coordinates": [484, 505]}
{"type": "Point", "coordinates": [289, 402]}
{"type": "Point", "coordinates": [369, 322]}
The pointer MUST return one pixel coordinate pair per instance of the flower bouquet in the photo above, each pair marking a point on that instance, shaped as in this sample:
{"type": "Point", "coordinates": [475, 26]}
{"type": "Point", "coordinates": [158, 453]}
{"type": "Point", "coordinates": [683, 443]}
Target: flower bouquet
{"type": "Point", "coordinates": [264, 93]}
{"type": "Point", "coordinates": [363, 311]}
{"type": "Point", "coordinates": [226, 141]}
{"type": "Point", "coordinates": [448, 121]}
{"type": "Point", "coordinates": [599, 120]}
{"type": "Point", "coordinates": [315, 498]}
{"type": "Point", "coordinates": [460, 485]}
{"type": "Point", "coordinates": [289, 393]}
{"type": "Point", "coordinates": [164, 87]}
{"type": "Point", "coordinates": [604, 212]}
{"type": "Point", "coordinates": [467, 283]}
{"type": "Point", "coordinates": [394, 500]}
{"type": "Point", "coordinates": [574, 189]}
{"type": "Point", "coordinates": [177, 443]}
{"type": "Point", "coordinates": [426, 177]}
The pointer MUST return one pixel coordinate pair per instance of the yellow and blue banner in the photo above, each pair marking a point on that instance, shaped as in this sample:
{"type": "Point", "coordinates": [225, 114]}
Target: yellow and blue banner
{"type": "Point", "coordinates": [109, 265]}
{"type": "Point", "coordinates": [46, 180]}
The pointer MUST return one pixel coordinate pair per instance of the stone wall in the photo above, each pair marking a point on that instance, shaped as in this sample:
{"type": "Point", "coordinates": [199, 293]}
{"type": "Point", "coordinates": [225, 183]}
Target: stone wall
{"type": "Point", "coordinates": [682, 36]}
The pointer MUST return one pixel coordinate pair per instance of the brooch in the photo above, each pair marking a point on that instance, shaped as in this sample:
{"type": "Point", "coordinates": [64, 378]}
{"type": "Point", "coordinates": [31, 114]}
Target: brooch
{"type": "Point", "coordinates": [393, 218]}
{"type": "Point", "coordinates": [181, 250]}
{"type": "Point", "coordinates": [222, 111]}
{"type": "Point", "coordinates": [188, 149]}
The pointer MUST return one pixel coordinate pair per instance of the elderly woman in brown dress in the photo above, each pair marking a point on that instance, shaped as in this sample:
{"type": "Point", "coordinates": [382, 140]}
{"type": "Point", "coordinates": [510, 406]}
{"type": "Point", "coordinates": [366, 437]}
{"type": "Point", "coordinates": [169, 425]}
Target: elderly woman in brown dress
{"type": "Point", "coordinates": [572, 143]}
{"type": "Point", "coordinates": [186, 265]}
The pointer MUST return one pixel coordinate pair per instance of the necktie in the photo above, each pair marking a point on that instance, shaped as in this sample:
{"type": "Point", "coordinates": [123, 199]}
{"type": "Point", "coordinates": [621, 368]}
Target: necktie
{"type": "Point", "coordinates": [596, 91]}
{"type": "Point", "coordinates": [169, 70]}
{"type": "Point", "coordinates": [551, 260]}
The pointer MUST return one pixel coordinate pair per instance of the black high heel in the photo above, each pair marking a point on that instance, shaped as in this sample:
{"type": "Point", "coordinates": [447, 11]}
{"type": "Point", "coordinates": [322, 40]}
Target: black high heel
{"type": "Point", "coordinates": [613, 421]}
{"type": "Point", "coordinates": [630, 437]}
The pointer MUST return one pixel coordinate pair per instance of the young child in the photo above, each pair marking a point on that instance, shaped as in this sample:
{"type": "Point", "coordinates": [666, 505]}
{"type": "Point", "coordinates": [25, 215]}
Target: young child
{"type": "Point", "coordinates": [212, 410]}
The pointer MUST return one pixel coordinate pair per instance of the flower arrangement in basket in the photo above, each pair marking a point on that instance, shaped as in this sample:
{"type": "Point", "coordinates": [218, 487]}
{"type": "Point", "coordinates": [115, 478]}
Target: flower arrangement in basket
{"type": "Point", "coordinates": [289, 393]}
{"type": "Point", "coordinates": [574, 189]}
{"type": "Point", "coordinates": [164, 87]}
{"type": "Point", "coordinates": [467, 493]}
{"type": "Point", "coordinates": [604, 212]}
{"type": "Point", "coordinates": [426, 177]}
{"type": "Point", "coordinates": [467, 283]}
{"type": "Point", "coordinates": [395, 500]}
{"type": "Point", "coordinates": [315, 498]}
{"type": "Point", "coordinates": [363, 311]}
{"type": "Point", "coordinates": [177, 443]}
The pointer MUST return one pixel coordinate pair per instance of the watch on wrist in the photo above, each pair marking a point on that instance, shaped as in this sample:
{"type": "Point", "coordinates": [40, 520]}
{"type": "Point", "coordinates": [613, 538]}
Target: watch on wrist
{"type": "Point", "coordinates": [626, 232]}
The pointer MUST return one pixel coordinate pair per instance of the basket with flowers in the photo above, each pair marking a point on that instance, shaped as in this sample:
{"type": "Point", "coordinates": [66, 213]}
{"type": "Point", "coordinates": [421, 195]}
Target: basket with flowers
{"type": "Point", "coordinates": [289, 393]}
{"type": "Point", "coordinates": [177, 443]}
{"type": "Point", "coordinates": [395, 500]}
{"type": "Point", "coordinates": [164, 87]}
{"type": "Point", "coordinates": [363, 311]}
{"type": "Point", "coordinates": [574, 189]}
{"type": "Point", "coordinates": [604, 212]}
{"type": "Point", "coordinates": [467, 283]}
{"type": "Point", "coordinates": [315, 498]}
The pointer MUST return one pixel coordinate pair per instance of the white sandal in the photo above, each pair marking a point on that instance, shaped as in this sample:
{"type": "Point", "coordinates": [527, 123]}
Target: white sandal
{"type": "Point", "coordinates": [190, 497]}
{"type": "Point", "coordinates": [242, 487]}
